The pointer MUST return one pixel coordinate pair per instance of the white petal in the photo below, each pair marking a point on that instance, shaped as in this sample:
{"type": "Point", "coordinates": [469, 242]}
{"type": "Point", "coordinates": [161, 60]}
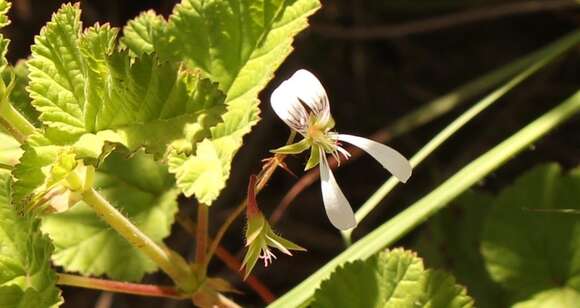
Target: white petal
{"type": "Point", "coordinates": [288, 108]}
{"type": "Point", "coordinates": [392, 160]}
{"type": "Point", "coordinates": [337, 207]}
{"type": "Point", "coordinates": [311, 92]}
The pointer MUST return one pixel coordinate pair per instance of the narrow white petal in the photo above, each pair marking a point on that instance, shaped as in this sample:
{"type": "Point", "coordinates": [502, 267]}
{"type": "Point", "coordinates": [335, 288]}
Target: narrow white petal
{"type": "Point", "coordinates": [311, 92]}
{"type": "Point", "coordinates": [288, 108]}
{"type": "Point", "coordinates": [337, 207]}
{"type": "Point", "coordinates": [391, 160]}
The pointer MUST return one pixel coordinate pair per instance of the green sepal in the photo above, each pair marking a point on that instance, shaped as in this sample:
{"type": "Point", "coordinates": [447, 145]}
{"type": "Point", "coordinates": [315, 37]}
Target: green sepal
{"type": "Point", "coordinates": [294, 148]}
{"type": "Point", "coordinates": [314, 159]}
{"type": "Point", "coordinates": [259, 237]}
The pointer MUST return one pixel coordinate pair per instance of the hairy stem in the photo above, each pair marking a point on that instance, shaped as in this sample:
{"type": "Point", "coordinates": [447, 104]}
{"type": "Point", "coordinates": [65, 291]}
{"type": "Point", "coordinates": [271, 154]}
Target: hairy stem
{"type": "Point", "coordinates": [119, 286]}
{"type": "Point", "coordinates": [169, 262]}
{"type": "Point", "coordinates": [14, 122]}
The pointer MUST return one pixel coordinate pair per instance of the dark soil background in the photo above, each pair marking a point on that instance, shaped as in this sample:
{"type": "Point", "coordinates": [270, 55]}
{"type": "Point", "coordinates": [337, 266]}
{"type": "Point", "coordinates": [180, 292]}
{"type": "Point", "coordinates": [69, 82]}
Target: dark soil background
{"type": "Point", "coordinates": [370, 83]}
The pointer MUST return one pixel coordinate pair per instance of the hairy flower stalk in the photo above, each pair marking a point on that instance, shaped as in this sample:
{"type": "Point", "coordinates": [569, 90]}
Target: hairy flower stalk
{"type": "Point", "coordinates": [302, 103]}
{"type": "Point", "coordinates": [259, 235]}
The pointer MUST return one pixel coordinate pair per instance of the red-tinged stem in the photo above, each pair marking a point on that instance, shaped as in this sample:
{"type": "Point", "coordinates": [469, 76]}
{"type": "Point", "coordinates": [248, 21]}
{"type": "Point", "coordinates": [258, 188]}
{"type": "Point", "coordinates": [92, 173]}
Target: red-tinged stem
{"type": "Point", "coordinates": [201, 235]}
{"type": "Point", "coordinates": [119, 286]}
{"type": "Point", "coordinates": [234, 264]}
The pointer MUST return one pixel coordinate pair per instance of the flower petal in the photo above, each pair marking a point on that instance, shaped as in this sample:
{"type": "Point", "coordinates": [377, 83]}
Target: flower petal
{"type": "Point", "coordinates": [337, 207]}
{"type": "Point", "coordinates": [311, 92]}
{"type": "Point", "coordinates": [391, 160]}
{"type": "Point", "coordinates": [288, 108]}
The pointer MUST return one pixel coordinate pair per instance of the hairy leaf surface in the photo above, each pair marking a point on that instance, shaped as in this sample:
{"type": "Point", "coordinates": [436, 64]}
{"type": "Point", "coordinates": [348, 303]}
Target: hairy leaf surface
{"type": "Point", "coordinates": [26, 276]}
{"type": "Point", "coordinates": [530, 245]}
{"type": "Point", "coordinates": [451, 241]}
{"type": "Point", "coordinates": [81, 83]}
{"type": "Point", "coordinates": [394, 278]}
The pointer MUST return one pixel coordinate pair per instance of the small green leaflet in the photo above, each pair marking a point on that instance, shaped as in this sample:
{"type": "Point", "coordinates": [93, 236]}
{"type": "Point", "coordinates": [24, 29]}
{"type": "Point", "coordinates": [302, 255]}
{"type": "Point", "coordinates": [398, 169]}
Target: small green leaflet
{"type": "Point", "coordinates": [536, 254]}
{"type": "Point", "coordinates": [254, 38]}
{"type": "Point", "coordinates": [141, 189]}
{"type": "Point", "coordinates": [26, 276]}
{"type": "Point", "coordinates": [143, 34]}
{"type": "Point", "coordinates": [81, 83]}
{"type": "Point", "coordinates": [393, 278]}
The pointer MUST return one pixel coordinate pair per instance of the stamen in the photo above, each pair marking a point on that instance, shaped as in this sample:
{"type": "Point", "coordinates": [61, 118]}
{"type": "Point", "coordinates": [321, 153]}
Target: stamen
{"type": "Point", "coordinates": [344, 152]}
{"type": "Point", "coordinates": [267, 256]}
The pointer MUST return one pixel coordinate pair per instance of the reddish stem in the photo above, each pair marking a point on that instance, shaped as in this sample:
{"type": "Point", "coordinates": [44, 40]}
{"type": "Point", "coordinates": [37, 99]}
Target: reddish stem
{"type": "Point", "coordinates": [234, 264]}
{"type": "Point", "coordinates": [119, 286]}
{"type": "Point", "coordinates": [201, 237]}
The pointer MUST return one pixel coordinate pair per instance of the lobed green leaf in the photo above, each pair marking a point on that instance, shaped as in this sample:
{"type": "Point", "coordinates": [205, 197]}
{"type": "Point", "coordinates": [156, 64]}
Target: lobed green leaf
{"type": "Point", "coordinates": [394, 278]}
{"type": "Point", "coordinates": [143, 34]}
{"type": "Point", "coordinates": [253, 39]}
{"type": "Point", "coordinates": [451, 240]}
{"type": "Point", "coordinates": [26, 276]}
{"type": "Point", "coordinates": [81, 83]}
{"type": "Point", "coordinates": [530, 247]}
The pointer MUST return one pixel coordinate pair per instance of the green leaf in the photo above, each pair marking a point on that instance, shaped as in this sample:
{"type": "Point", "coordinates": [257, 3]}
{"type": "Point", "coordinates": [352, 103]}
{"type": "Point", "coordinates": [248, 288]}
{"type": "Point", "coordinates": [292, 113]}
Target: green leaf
{"type": "Point", "coordinates": [142, 34]}
{"type": "Point", "coordinates": [57, 72]}
{"type": "Point", "coordinates": [30, 174]}
{"type": "Point", "coordinates": [18, 97]}
{"type": "Point", "coordinates": [450, 241]}
{"type": "Point", "coordinates": [534, 254]}
{"type": "Point", "coordinates": [204, 174]}
{"type": "Point", "coordinates": [26, 276]}
{"type": "Point", "coordinates": [10, 150]}
{"type": "Point", "coordinates": [142, 190]}
{"type": "Point", "coordinates": [82, 84]}
{"type": "Point", "coordinates": [394, 278]}
{"type": "Point", "coordinates": [4, 21]}
{"type": "Point", "coordinates": [254, 38]}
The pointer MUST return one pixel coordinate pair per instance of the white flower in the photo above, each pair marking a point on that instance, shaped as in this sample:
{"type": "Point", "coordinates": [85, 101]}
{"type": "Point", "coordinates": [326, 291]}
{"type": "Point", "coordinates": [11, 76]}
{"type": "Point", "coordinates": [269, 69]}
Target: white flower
{"type": "Point", "coordinates": [301, 102]}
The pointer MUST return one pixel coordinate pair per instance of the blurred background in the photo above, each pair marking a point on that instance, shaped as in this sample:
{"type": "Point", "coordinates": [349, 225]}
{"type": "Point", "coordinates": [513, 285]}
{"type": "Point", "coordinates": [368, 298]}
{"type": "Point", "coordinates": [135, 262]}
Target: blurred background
{"type": "Point", "coordinates": [378, 60]}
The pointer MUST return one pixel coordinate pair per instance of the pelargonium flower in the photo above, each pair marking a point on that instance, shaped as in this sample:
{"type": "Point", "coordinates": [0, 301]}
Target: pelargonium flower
{"type": "Point", "coordinates": [301, 102]}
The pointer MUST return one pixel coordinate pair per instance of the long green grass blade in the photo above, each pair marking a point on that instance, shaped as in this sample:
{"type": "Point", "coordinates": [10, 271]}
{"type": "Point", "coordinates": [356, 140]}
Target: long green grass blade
{"type": "Point", "coordinates": [545, 55]}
